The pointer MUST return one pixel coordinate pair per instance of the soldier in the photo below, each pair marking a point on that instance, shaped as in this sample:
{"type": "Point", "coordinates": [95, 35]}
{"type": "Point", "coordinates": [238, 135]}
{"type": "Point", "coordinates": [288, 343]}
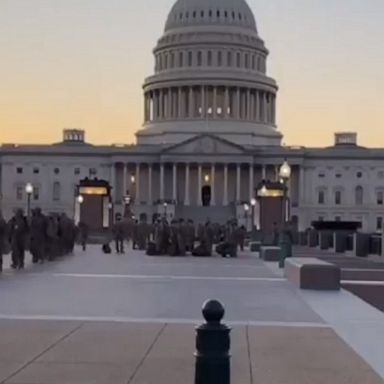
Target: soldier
{"type": "Point", "coordinates": [190, 236]}
{"type": "Point", "coordinates": [241, 235]}
{"type": "Point", "coordinates": [18, 227]}
{"type": "Point", "coordinates": [182, 237]}
{"type": "Point", "coordinates": [142, 234]}
{"type": "Point", "coordinates": [118, 235]}
{"type": "Point", "coordinates": [3, 239]}
{"type": "Point", "coordinates": [83, 235]}
{"type": "Point", "coordinates": [52, 239]}
{"type": "Point", "coordinates": [208, 236]}
{"type": "Point", "coordinates": [38, 236]}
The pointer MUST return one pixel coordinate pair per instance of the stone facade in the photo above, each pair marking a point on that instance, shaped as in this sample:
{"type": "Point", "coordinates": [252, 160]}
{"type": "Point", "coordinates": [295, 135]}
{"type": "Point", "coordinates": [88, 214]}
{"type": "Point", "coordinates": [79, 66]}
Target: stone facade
{"type": "Point", "coordinates": [209, 122]}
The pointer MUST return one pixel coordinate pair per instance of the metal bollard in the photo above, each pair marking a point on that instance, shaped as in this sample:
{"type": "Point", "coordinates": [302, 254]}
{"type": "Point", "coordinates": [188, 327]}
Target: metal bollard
{"type": "Point", "coordinates": [213, 343]}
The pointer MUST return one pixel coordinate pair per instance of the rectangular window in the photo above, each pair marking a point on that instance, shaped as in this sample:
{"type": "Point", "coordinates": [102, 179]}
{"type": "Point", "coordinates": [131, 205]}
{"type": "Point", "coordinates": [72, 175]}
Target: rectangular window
{"type": "Point", "coordinates": [380, 197]}
{"type": "Point", "coordinates": [379, 223]}
{"type": "Point", "coordinates": [19, 170]}
{"type": "Point", "coordinates": [36, 195]}
{"type": "Point", "coordinates": [190, 59]}
{"type": "Point", "coordinates": [19, 193]}
{"type": "Point", "coordinates": [77, 171]}
{"type": "Point", "coordinates": [338, 197]}
{"type": "Point", "coordinates": [321, 197]}
{"type": "Point", "coordinates": [92, 171]}
{"type": "Point", "coordinates": [36, 171]}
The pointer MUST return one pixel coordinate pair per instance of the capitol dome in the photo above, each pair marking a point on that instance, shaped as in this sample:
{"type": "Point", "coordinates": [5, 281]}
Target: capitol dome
{"type": "Point", "coordinates": [211, 12]}
{"type": "Point", "coordinates": [210, 77]}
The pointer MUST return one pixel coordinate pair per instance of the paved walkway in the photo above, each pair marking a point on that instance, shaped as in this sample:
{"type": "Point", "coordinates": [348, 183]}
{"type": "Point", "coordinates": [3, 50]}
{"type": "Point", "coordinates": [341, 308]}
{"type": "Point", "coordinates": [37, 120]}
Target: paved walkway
{"type": "Point", "coordinates": [98, 319]}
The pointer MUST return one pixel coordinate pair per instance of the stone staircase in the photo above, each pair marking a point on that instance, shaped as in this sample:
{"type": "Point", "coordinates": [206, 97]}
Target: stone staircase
{"type": "Point", "coordinates": [201, 214]}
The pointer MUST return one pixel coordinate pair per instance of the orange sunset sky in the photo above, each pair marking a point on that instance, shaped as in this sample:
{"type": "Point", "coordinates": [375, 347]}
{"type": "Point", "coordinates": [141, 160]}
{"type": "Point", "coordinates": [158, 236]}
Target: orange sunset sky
{"type": "Point", "coordinates": [81, 64]}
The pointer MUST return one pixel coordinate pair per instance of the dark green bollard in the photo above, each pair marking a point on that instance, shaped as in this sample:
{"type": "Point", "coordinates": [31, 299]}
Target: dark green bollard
{"type": "Point", "coordinates": [212, 347]}
{"type": "Point", "coordinates": [285, 244]}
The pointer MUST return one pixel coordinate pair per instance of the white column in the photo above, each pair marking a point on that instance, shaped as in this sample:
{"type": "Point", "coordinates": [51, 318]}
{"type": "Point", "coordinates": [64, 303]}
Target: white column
{"type": "Point", "coordinates": [169, 103]}
{"type": "Point", "coordinates": [155, 105]}
{"type": "Point", "coordinates": [174, 182]}
{"type": "Point", "coordinates": [249, 104]}
{"type": "Point", "coordinates": [187, 198]}
{"type": "Point", "coordinates": [113, 182]}
{"type": "Point", "coordinates": [225, 194]}
{"type": "Point", "coordinates": [301, 185]}
{"type": "Point", "coordinates": [238, 105]}
{"type": "Point", "coordinates": [226, 103]}
{"type": "Point", "coordinates": [137, 179]}
{"type": "Point", "coordinates": [203, 105]}
{"type": "Point", "coordinates": [191, 103]}
{"type": "Point", "coordinates": [238, 180]}
{"type": "Point", "coordinates": [150, 200]}
{"type": "Point", "coordinates": [161, 104]}
{"type": "Point", "coordinates": [213, 190]}
{"type": "Point", "coordinates": [251, 182]}
{"type": "Point", "coordinates": [199, 186]}
{"type": "Point", "coordinates": [257, 106]}
{"type": "Point", "coordinates": [214, 107]}
{"type": "Point", "coordinates": [180, 102]}
{"type": "Point", "coordinates": [263, 172]}
{"type": "Point", "coordinates": [161, 182]}
{"type": "Point", "coordinates": [265, 108]}
{"type": "Point", "coordinates": [125, 185]}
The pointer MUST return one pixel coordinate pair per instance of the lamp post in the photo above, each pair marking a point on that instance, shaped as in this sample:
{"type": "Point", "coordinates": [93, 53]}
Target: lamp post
{"type": "Point", "coordinates": [253, 206]}
{"type": "Point", "coordinates": [29, 191]}
{"type": "Point", "coordinates": [246, 210]}
{"type": "Point", "coordinates": [285, 174]}
{"type": "Point", "coordinates": [285, 242]}
{"type": "Point", "coordinates": [165, 205]}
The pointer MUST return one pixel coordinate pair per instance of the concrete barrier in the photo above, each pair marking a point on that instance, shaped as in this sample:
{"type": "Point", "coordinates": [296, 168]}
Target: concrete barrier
{"type": "Point", "coordinates": [269, 253]}
{"type": "Point", "coordinates": [312, 274]}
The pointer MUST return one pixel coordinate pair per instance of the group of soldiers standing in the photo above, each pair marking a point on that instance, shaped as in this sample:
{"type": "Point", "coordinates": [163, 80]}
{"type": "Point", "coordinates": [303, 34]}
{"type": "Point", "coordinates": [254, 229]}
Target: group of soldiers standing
{"type": "Point", "coordinates": [46, 237]}
{"type": "Point", "coordinates": [179, 237]}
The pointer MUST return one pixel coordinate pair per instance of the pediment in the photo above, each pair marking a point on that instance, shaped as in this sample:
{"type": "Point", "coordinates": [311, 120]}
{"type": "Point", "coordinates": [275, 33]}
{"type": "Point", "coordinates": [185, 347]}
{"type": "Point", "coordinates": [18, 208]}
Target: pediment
{"type": "Point", "coordinates": [206, 144]}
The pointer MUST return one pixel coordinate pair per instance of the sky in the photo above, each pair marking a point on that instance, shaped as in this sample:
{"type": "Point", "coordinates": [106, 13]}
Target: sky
{"type": "Point", "coordinates": [81, 64]}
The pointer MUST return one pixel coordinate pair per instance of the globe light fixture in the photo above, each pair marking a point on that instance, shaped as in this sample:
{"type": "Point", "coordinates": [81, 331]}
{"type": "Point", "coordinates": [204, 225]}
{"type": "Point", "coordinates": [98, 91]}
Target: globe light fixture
{"type": "Point", "coordinates": [80, 199]}
{"type": "Point", "coordinates": [133, 179]}
{"type": "Point", "coordinates": [206, 178]}
{"type": "Point", "coordinates": [264, 191]}
{"type": "Point", "coordinates": [246, 207]}
{"type": "Point", "coordinates": [253, 202]}
{"type": "Point", "coordinates": [285, 171]}
{"type": "Point", "coordinates": [29, 189]}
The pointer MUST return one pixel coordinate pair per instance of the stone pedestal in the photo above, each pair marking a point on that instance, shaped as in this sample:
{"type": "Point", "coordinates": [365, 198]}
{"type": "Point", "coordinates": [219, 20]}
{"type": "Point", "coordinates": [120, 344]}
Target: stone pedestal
{"type": "Point", "coordinates": [313, 239]}
{"type": "Point", "coordinates": [361, 244]}
{"type": "Point", "coordinates": [326, 240]}
{"type": "Point", "coordinates": [340, 242]}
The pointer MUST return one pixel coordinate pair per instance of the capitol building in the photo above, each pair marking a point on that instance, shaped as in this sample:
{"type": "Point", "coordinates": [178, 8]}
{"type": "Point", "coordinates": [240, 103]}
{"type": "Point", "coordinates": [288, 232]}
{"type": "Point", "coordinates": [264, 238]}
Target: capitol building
{"type": "Point", "coordinates": [208, 143]}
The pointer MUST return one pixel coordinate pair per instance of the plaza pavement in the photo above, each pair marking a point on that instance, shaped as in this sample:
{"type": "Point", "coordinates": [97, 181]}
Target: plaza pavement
{"type": "Point", "coordinates": [98, 319]}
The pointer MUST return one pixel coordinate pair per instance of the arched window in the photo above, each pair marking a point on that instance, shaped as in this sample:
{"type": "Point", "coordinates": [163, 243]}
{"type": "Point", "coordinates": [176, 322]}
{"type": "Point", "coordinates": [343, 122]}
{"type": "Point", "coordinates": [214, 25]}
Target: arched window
{"type": "Point", "coordinates": [246, 59]}
{"type": "Point", "coordinates": [172, 60]}
{"type": "Point", "coordinates": [209, 58]}
{"type": "Point", "coordinates": [56, 191]}
{"type": "Point", "coordinates": [165, 60]}
{"type": "Point", "coordinates": [359, 195]}
{"type": "Point", "coordinates": [338, 197]}
{"type": "Point", "coordinates": [199, 59]}
{"type": "Point", "coordinates": [181, 59]}
{"type": "Point", "coordinates": [253, 62]}
{"type": "Point", "coordinates": [190, 59]}
{"type": "Point", "coordinates": [219, 58]}
{"type": "Point", "coordinates": [229, 59]}
{"type": "Point", "coordinates": [238, 59]}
